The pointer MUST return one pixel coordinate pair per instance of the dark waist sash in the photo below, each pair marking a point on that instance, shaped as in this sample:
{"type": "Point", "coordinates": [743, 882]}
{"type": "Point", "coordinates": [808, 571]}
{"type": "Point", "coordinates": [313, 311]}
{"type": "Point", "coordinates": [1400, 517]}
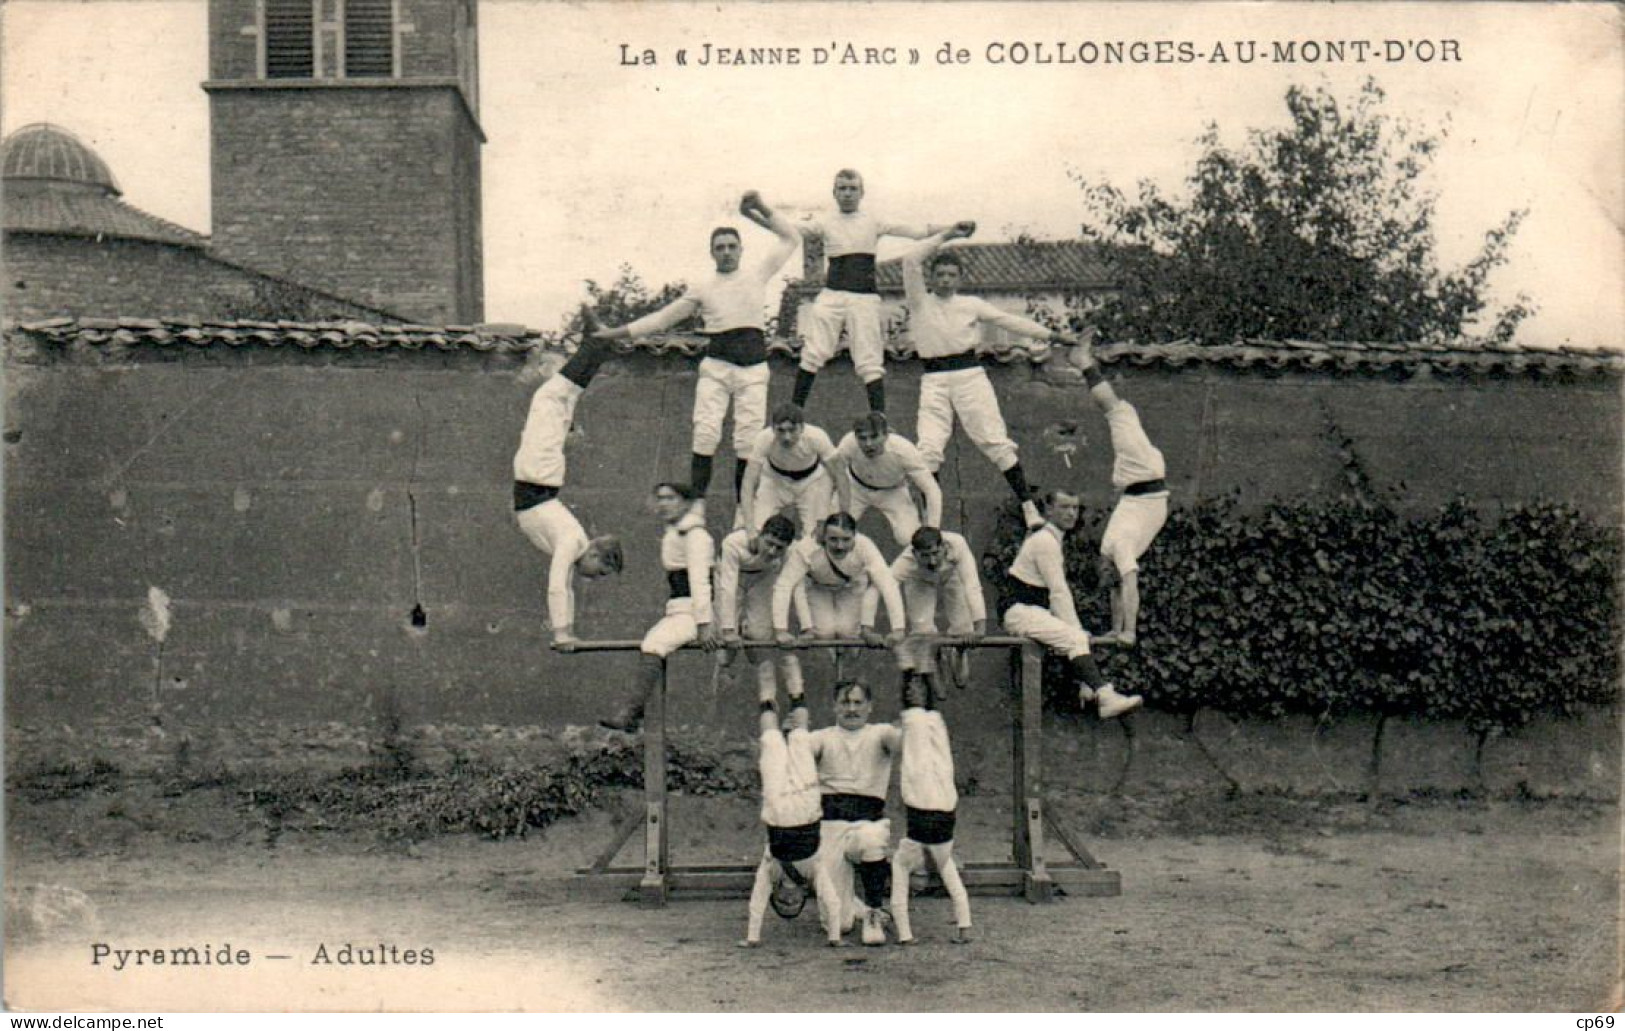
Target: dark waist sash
{"type": "Point", "coordinates": [952, 362]}
{"type": "Point", "coordinates": [854, 807]}
{"type": "Point", "coordinates": [1146, 487]}
{"type": "Point", "coordinates": [1019, 592]}
{"type": "Point", "coordinates": [930, 826]}
{"type": "Point", "coordinates": [793, 844]}
{"type": "Point", "coordinates": [865, 484]}
{"type": "Point", "coordinates": [799, 474]}
{"type": "Point", "coordinates": [742, 347]}
{"type": "Point", "coordinates": [677, 579]}
{"type": "Point", "coordinates": [854, 273]}
{"type": "Point", "coordinates": [529, 495]}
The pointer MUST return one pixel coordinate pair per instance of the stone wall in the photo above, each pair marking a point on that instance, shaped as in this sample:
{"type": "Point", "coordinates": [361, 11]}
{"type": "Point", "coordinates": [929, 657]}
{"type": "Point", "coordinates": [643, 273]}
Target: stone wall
{"type": "Point", "coordinates": [333, 529]}
{"type": "Point", "coordinates": [368, 186]}
{"type": "Point", "coordinates": [51, 277]}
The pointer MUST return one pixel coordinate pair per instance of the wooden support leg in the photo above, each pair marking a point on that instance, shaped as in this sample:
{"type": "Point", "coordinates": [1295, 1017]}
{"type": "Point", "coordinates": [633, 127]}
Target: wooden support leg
{"type": "Point", "coordinates": [657, 859]}
{"type": "Point", "coordinates": [1026, 726]}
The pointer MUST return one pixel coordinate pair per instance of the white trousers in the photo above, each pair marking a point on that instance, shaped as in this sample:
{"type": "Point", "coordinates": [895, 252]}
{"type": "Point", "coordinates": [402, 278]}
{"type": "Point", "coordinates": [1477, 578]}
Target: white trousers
{"type": "Point", "coordinates": [723, 382]}
{"type": "Point", "coordinates": [673, 631]}
{"type": "Point", "coordinates": [922, 600]}
{"type": "Point", "coordinates": [813, 499]}
{"type": "Point", "coordinates": [911, 856]}
{"type": "Point", "coordinates": [835, 611]}
{"type": "Point", "coordinates": [842, 845]}
{"type": "Point", "coordinates": [897, 505]}
{"type": "Point", "coordinates": [860, 315]}
{"type": "Point", "coordinates": [1134, 524]}
{"type": "Point", "coordinates": [967, 393]}
{"type": "Point", "coordinates": [1041, 625]}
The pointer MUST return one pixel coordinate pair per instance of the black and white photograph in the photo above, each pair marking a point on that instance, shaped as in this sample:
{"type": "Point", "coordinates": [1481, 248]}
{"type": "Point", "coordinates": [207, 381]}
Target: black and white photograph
{"type": "Point", "coordinates": [908, 507]}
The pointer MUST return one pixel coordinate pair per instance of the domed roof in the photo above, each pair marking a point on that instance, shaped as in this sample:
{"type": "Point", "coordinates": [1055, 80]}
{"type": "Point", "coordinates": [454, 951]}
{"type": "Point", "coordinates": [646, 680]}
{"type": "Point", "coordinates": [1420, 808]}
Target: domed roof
{"type": "Point", "coordinates": [50, 152]}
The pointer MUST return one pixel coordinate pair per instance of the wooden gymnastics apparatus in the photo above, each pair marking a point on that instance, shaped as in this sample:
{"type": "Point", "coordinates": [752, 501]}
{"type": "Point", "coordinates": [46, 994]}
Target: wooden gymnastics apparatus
{"type": "Point", "coordinates": [1026, 873]}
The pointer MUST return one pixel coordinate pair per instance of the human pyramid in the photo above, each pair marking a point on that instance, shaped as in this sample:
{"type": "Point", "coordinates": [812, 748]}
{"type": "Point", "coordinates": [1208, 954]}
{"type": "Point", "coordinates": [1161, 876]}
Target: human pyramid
{"type": "Point", "coordinates": [824, 791]}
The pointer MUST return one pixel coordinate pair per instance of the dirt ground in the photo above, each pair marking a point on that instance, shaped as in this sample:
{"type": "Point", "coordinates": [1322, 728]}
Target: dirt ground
{"type": "Point", "coordinates": [1261, 903]}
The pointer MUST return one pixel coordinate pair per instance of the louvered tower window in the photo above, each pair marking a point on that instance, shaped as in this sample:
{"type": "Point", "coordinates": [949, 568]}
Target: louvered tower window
{"type": "Point", "coordinates": [369, 38]}
{"type": "Point", "coordinates": [290, 39]}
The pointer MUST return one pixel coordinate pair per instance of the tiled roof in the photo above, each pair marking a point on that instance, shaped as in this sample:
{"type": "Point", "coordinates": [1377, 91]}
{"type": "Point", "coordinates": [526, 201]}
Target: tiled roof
{"type": "Point", "coordinates": [67, 209]}
{"type": "Point", "coordinates": [1459, 358]}
{"type": "Point", "coordinates": [1015, 267]}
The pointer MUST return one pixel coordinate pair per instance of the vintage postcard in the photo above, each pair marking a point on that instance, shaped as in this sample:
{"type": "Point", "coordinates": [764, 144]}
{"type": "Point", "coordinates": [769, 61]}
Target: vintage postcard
{"type": "Point", "coordinates": [328, 688]}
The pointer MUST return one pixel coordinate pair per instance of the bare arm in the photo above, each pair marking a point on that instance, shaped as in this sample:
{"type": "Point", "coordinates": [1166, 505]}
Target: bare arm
{"type": "Point", "coordinates": [869, 608]}
{"type": "Point", "coordinates": [914, 259]}
{"type": "Point", "coordinates": [754, 208]}
{"type": "Point", "coordinates": [839, 472]}
{"type": "Point", "coordinates": [1010, 322]}
{"type": "Point", "coordinates": [914, 288]}
{"type": "Point", "coordinates": [1128, 617]}
{"type": "Point", "coordinates": [784, 588]}
{"type": "Point", "coordinates": [803, 610]}
{"type": "Point", "coordinates": [970, 580]}
{"type": "Point", "coordinates": [752, 480]}
{"type": "Point", "coordinates": [684, 307]}
{"type": "Point", "coordinates": [881, 578]}
{"type": "Point", "coordinates": [921, 477]}
{"type": "Point", "coordinates": [914, 232]}
{"type": "Point", "coordinates": [561, 595]}
{"type": "Point", "coordinates": [727, 593]}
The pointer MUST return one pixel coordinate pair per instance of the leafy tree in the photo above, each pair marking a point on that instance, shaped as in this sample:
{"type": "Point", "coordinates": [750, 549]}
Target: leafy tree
{"type": "Point", "coordinates": [1323, 230]}
{"type": "Point", "coordinates": [626, 299]}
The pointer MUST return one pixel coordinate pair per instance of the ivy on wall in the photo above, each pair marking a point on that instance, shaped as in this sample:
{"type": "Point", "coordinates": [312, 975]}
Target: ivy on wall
{"type": "Point", "coordinates": [1337, 606]}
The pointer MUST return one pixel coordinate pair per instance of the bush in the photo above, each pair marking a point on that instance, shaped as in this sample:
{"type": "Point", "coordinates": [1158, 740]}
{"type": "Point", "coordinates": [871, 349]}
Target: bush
{"type": "Point", "coordinates": [497, 800]}
{"type": "Point", "coordinates": [1342, 606]}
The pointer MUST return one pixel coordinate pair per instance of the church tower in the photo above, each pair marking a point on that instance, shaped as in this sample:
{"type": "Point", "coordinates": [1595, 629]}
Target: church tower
{"type": "Point", "coordinates": [346, 148]}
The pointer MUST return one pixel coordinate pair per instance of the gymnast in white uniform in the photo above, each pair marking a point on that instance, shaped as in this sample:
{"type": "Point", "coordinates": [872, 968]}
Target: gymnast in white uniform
{"type": "Point", "coordinates": [1138, 475]}
{"type": "Point", "coordinates": [929, 795]}
{"type": "Point", "coordinates": [1037, 604]}
{"type": "Point", "coordinates": [854, 772]}
{"type": "Point", "coordinates": [946, 327]}
{"type": "Point", "coordinates": [791, 809]}
{"type": "Point", "coordinates": [850, 298]}
{"type": "Point", "coordinates": [788, 465]}
{"type": "Point", "coordinates": [538, 476]}
{"type": "Point", "coordinates": [734, 371]}
{"type": "Point", "coordinates": [686, 554]}
{"type": "Point", "coordinates": [747, 570]}
{"type": "Point", "coordinates": [874, 468]}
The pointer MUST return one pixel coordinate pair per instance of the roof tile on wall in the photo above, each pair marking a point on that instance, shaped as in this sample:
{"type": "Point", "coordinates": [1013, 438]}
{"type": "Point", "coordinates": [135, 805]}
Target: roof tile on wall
{"type": "Point", "coordinates": [1452, 357]}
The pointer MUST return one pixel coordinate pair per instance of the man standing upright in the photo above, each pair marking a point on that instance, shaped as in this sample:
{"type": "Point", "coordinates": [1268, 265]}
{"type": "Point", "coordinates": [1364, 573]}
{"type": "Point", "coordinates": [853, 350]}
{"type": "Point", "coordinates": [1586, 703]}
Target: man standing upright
{"type": "Point", "coordinates": [733, 303]}
{"type": "Point", "coordinates": [947, 328]}
{"type": "Point", "coordinates": [850, 298]}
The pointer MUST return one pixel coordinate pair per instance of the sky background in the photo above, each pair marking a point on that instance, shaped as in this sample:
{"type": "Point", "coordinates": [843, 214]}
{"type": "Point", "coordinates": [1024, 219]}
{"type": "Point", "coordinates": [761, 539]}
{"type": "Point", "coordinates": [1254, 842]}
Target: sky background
{"type": "Point", "coordinates": [591, 164]}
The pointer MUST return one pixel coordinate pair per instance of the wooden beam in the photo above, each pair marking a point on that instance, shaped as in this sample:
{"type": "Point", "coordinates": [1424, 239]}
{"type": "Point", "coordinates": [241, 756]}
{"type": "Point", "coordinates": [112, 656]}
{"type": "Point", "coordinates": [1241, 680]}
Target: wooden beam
{"type": "Point", "coordinates": [652, 889]}
{"type": "Point", "coordinates": [1028, 875]}
{"type": "Point", "coordinates": [987, 880]}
